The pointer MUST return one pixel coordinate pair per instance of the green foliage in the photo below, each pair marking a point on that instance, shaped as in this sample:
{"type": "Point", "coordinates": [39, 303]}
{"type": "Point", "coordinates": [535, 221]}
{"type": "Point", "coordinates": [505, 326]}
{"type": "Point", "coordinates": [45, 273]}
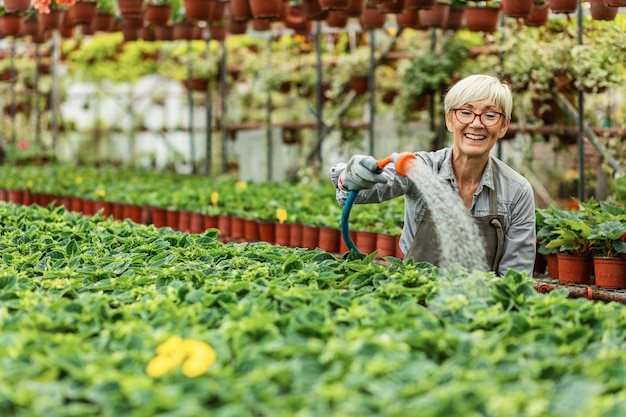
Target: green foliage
{"type": "Point", "coordinates": [87, 301]}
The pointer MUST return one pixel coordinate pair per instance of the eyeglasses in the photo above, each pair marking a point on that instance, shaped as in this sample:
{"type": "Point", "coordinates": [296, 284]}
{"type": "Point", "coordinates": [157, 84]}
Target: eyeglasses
{"type": "Point", "coordinates": [467, 117]}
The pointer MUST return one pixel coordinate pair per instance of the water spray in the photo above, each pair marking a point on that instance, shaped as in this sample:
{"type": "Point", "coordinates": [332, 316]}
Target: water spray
{"type": "Point", "coordinates": [402, 161]}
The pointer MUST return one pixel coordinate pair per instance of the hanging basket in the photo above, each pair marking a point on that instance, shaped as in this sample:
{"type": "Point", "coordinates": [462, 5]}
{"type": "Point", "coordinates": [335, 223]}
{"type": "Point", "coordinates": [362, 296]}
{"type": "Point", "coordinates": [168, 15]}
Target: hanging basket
{"type": "Point", "coordinates": [419, 4]}
{"type": "Point", "coordinates": [102, 22]}
{"type": "Point", "coordinates": [334, 4]}
{"type": "Point", "coordinates": [538, 15]}
{"type": "Point", "coordinates": [392, 6]}
{"type": "Point", "coordinates": [157, 14]}
{"type": "Point", "coordinates": [82, 12]}
{"type": "Point", "coordinates": [16, 5]}
{"type": "Point", "coordinates": [355, 8]}
{"type": "Point", "coordinates": [130, 6]}
{"type": "Point", "coordinates": [239, 10]}
{"type": "Point", "coordinates": [563, 6]}
{"type": "Point", "coordinates": [435, 17]}
{"type": "Point", "coordinates": [266, 9]}
{"type": "Point", "coordinates": [372, 18]}
{"type": "Point", "coordinates": [197, 10]}
{"type": "Point", "coordinates": [481, 19]}
{"type": "Point", "coordinates": [53, 20]}
{"type": "Point", "coordinates": [11, 25]}
{"type": "Point", "coordinates": [600, 11]}
{"type": "Point", "coordinates": [517, 8]}
{"type": "Point", "coordinates": [455, 18]}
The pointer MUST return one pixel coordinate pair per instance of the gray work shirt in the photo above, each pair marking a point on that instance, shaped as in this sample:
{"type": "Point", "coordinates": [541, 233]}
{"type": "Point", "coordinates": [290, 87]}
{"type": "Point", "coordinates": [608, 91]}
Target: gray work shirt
{"type": "Point", "coordinates": [515, 201]}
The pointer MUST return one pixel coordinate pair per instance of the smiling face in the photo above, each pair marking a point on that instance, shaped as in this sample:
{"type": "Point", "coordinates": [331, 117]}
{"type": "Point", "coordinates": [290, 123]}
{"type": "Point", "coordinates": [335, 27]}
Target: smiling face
{"type": "Point", "coordinates": [475, 139]}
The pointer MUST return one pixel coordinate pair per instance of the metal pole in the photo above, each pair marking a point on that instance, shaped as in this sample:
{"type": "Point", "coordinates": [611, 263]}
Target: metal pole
{"type": "Point", "coordinates": [268, 115]}
{"type": "Point", "coordinates": [13, 74]}
{"type": "Point", "coordinates": [581, 115]}
{"type": "Point", "coordinates": [320, 93]}
{"type": "Point", "coordinates": [53, 92]}
{"type": "Point", "coordinates": [37, 98]}
{"type": "Point", "coordinates": [371, 87]}
{"type": "Point", "coordinates": [209, 119]}
{"type": "Point", "coordinates": [192, 150]}
{"type": "Point", "coordinates": [223, 96]}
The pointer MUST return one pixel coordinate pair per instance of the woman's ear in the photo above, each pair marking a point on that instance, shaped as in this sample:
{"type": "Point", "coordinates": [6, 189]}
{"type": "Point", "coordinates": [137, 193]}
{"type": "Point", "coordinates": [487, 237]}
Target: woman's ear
{"type": "Point", "coordinates": [504, 129]}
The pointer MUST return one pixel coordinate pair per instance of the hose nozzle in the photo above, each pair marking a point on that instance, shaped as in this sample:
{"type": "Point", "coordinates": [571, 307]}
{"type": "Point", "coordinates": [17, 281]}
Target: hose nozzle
{"type": "Point", "coordinates": [401, 160]}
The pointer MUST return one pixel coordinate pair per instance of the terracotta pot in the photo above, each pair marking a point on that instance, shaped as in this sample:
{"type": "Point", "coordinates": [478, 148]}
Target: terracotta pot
{"type": "Point", "coordinates": [217, 33]}
{"type": "Point", "coordinates": [102, 22]}
{"type": "Point", "coordinates": [224, 225]}
{"type": "Point", "coordinates": [237, 228]}
{"type": "Point", "coordinates": [105, 206]}
{"type": "Point", "coordinates": [184, 221]}
{"type": "Point", "coordinates": [266, 9]}
{"type": "Point", "coordinates": [615, 3]}
{"type": "Point", "coordinates": [310, 236]}
{"type": "Point", "coordinates": [600, 11]}
{"type": "Point", "coordinates": [267, 231]}
{"type": "Point", "coordinates": [343, 247]}
{"type": "Point", "coordinates": [133, 213]}
{"type": "Point", "coordinates": [88, 209]}
{"type": "Point", "coordinates": [574, 269]}
{"type": "Point", "coordinates": [82, 12]}
{"type": "Point", "coordinates": [392, 6]}
{"type": "Point", "coordinates": [355, 8]}
{"type": "Point", "coordinates": [197, 10]}
{"type": "Point", "coordinates": [240, 10]}
{"type": "Point", "coordinates": [295, 19]}
{"type": "Point", "coordinates": [337, 18]}
{"type": "Point", "coordinates": [236, 27]}
{"type": "Point", "coordinates": [329, 238]}
{"type": "Point", "coordinates": [295, 235]}
{"type": "Point", "coordinates": [366, 241]}
{"type": "Point", "coordinates": [386, 244]}
{"type": "Point", "coordinates": [76, 204]}
{"type": "Point", "coordinates": [53, 20]}
{"type": "Point", "coordinates": [481, 19]}
{"type": "Point", "coordinates": [553, 266]}
{"type": "Point", "coordinates": [30, 28]}
{"type": "Point", "coordinates": [157, 14]}
{"type": "Point", "coordinates": [250, 230]}
{"type": "Point", "coordinates": [517, 8]}
{"type": "Point", "coordinates": [171, 218]}
{"type": "Point", "coordinates": [130, 7]}
{"type": "Point", "coordinates": [261, 25]}
{"type": "Point", "coordinates": [419, 4]}
{"type": "Point", "coordinates": [434, 17]}
{"type": "Point", "coordinates": [184, 31]}
{"type": "Point", "coordinates": [610, 272]}
{"type": "Point", "coordinates": [16, 5]}
{"type": "Point", "coordinates": [164, 33]}
{"type": "Point", "coordinates": [333, 4]}
{"type": "Point", "coordinates": [455, 18]}
{"type": "Point", "coordinates": [372, 18]}
{"type": "Point", "coordinates": [15, 196]}
{"type": "Point", "coordinates": [313, 11]}
{"type": "Point", "coordinates": [399, 253]}
{"type": "Point", "coordinates": [11, 25]}
{"type": "Point", "coordinates": [563, 6]}
{"type": "Point", "coordinates": [159, 218]}
{"type": "Point", "coordinates": [538, 15]}
{"type": "Point", "coordinates": [209, 222]}
{"type": "Point", "coordinates": [281, 234]}
{"type": "Point", "coordinates": [117, 209]}
{"type": "Point", "coordinates": [409, 19]}
{"type": "Point", "coordinates": [216, 11]}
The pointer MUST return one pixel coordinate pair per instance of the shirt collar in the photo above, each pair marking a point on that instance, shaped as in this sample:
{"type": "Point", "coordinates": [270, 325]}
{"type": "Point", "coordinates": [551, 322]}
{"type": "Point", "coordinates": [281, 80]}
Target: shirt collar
{"type": "Point", "coordinates": [447, 173]}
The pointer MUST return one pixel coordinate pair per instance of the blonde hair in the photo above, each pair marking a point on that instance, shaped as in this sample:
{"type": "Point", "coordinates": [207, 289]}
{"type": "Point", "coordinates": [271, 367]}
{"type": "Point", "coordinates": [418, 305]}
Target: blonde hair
{"type": "Point", "coordinates": [480, 87]}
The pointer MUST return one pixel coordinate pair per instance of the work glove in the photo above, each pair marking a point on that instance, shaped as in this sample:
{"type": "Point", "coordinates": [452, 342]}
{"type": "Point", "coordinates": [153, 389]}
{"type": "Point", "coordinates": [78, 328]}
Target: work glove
{"type": "Point", "coordinates": [361, 173]}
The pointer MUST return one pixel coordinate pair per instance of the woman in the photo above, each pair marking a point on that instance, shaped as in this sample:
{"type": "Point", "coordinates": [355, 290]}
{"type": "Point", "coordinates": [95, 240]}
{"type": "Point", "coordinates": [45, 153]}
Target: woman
{"type": "Point", "coordinates": [501, 201]}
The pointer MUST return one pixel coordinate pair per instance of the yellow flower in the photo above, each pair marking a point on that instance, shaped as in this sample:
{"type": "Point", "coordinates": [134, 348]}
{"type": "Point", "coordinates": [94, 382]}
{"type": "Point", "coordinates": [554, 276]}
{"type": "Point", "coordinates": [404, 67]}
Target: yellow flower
{"type": "Point", "coordinates": [159, 365]}
{"type": "Point", "coordinates": [241, 185]}
{"type": "Point", "coordinates": [79, 180]}
{"type": "Point", "coordinates": [281, 215]}
{"type": "Point", "coordinates": [100, 192]}
{"type": "Point", "coordinates": [171, 345]}
{"type": "Point", "coordinates": [215, 196]}
{"type": "Point", "coordinates": [29, 184]}
{"type": "Point", "coordinates": [195, 357]}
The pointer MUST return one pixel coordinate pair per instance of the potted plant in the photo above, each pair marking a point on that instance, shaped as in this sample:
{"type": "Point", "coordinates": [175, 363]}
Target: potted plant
{"type": "Point", "coordinates": [608, 246]}
{"type": "Point", "coordinates": [482, 16]}
{"type": "Point", "coordinates": [356, 66]}
{"type": "Point", "coordinates": [599, 65]}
